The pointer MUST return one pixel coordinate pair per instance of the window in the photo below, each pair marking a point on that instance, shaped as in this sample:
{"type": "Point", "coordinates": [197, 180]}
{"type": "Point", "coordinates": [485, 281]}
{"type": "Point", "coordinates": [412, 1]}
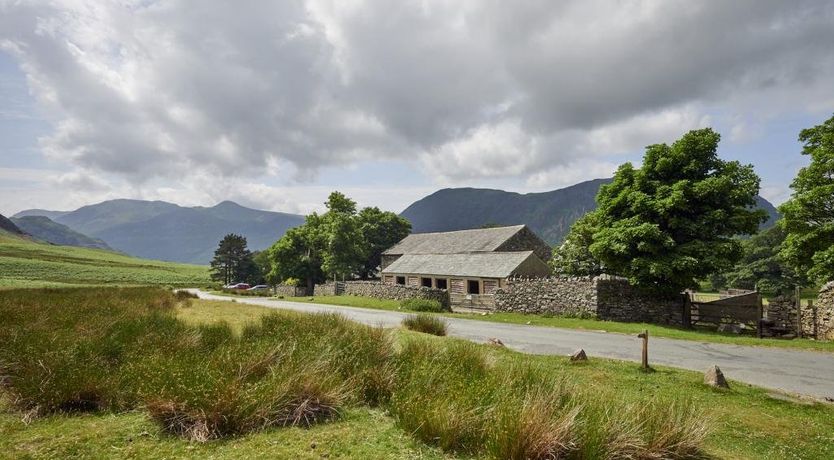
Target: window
{"type": "Point", "coordinates": [401, 280]}
{"type": "Point", "coordinates": [425, 282]}
{"type": "Point", "coordinates": [473, 287]}
{"type": "Point", "coordinates": [440, 283]}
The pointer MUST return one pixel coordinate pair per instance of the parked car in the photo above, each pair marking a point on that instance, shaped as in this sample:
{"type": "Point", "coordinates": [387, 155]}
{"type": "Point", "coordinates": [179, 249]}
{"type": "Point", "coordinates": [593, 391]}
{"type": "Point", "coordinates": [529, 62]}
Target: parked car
{"type": "Point", "coordinates": [259, 287]}
{"type": "Point", "coordinates": [242, 286]}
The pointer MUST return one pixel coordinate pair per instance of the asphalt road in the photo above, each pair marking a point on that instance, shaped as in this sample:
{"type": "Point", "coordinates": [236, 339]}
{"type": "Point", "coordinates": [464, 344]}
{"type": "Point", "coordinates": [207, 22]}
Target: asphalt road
{"type": "Point", "coordinates": [809, 373]}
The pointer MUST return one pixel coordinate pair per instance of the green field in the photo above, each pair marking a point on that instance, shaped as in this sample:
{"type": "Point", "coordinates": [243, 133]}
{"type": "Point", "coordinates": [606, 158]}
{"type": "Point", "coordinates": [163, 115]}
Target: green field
{"type": "Point", "coordinates": [25, 263]}
{"type": "Point", "coordinates": [744, 422]}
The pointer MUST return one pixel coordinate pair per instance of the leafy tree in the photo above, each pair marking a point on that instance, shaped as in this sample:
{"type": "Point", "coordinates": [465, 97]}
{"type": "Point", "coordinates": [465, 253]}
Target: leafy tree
{"type": "Point", "coordinates": [345, 249]}
{"type": "Point", "coordinates": [337, 244]}
{"type": "Point", "coordinates": [762, 267]}
{"type": "Point", "coordinates": [673, 220]}
{"type": "Point", "coordinates": [574, 257]}
{"type": "Point", "coordinates": [232, 261]}
{"type": "Point", "coordinates": [298, 254]}
{"type": "Point", "coordinates": [808, 217]}
{"type": "Point", "coordinates": [380, 230]}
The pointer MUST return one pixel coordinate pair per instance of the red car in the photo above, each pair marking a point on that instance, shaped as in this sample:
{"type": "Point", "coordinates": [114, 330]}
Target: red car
{"type": "Point", "coordinates": [242, 286]}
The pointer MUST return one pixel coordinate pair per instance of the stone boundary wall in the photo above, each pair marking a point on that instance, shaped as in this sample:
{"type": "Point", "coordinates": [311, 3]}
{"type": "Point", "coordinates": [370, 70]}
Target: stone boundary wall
{"type": "Point", "coordinates": [607, 297]}
{"type": "Point", "coordinates": [819, 319]}
{"type": "Point", "coordinates": [553, 295]}
{"type": "Point", "coordinates": [781, 310]}
{"type": "Point", "coordinates": [290, 291]}
{"type": "Point", "coordinates": [324, 289]}
{"type": "Point", "coordinates": [380, 290]}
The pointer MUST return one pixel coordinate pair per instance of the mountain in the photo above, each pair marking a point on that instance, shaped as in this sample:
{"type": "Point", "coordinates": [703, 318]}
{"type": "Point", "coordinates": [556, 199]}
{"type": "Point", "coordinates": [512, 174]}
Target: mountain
{"type": "Point", "coordinates": [166, 231]}
{"type": "Point", "coordinates": [549, 214]}
{"type": "Point", "coordinates": [8, 226]}
{"type": "Point", "coordinates": [45, 229]}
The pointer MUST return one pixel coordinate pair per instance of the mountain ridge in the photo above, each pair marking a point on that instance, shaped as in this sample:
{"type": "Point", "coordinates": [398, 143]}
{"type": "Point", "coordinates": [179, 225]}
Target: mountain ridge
{"type": "Point", "coordinates": [166, 231]}
{"type": "Point", "coordinates": [550, 214]}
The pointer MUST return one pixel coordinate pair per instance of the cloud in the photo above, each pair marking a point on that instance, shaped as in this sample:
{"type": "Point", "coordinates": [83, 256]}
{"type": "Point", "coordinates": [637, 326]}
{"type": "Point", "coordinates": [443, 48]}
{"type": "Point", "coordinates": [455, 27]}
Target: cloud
{"type": "Point", "coordinates": [148, 90]}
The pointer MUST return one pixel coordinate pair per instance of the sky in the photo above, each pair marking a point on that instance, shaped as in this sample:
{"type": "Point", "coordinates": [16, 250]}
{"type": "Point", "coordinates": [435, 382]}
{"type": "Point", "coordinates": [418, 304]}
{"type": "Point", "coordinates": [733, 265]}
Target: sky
{"type": "Point", "coordinates": [276, 104]}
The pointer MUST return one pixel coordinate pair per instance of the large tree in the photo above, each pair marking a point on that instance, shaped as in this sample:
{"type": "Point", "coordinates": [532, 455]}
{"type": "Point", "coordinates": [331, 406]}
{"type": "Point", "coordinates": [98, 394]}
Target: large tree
{"type": "Point", "coordinates": [232, 261]}
{"type": "Point", "coordinates": [298, 254]}
{"type": "Point", "coordinates": [672, 221]}
{"type": "Point", "coordinates": [762, 266]}
{"type": "Point", "coordinates": [345, 249]}
{"type": "Point", "coordinates": [808, 217]}
{"type": "Point", "coordinates": [573, 257]}
{"type": "Point", "coordinates": [380, 230]}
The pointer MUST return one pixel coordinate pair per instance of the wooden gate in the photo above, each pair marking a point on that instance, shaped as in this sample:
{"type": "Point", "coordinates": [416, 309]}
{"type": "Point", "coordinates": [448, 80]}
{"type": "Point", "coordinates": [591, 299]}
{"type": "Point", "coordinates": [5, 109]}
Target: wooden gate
{"type": "Point", "coordinates": [745, 308]}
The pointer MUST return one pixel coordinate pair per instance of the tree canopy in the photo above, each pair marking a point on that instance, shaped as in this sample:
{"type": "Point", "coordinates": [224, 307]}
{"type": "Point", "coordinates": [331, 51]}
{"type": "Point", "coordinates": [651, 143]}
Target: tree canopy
{"type": "Point", "coordinates": [762, 266]}
{"type": "Point", "coordinates": [233, 262]}
{"type": "Point", "coordinates": [672, 221]}
{"type": "Point", "coordinates": [341, 243]}
{"type": "Point", "coordinates": [574, 256]}
{"type": "Point", "coordinates": [808, 217]}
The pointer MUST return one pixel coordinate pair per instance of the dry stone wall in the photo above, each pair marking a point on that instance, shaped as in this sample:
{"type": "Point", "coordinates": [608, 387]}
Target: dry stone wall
{"type": "Point", "coordinates": [605, 297]}
{"type": "Point", "coordinates": [554, 295]}
{"type": "Point", "coordinates": [290, 291]}
{"type": "Point", "coordinates": [818, 320]}
{"type": "Point", "coordinates": [379, 290]}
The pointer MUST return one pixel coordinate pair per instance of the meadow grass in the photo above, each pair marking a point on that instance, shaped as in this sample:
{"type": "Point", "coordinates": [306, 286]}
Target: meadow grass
{"type": "Point", "coordinates": [655, 330]}
{"type": "Point", "coordinates": [26, 263]}
{"type": "Point", "coordinates": [427, 324]}
{"type": "Point", "coordinates": [463, 399]}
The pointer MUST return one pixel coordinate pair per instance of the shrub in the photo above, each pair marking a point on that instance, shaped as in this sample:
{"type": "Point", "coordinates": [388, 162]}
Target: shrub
{"type": "Point", "coordinates": [423, 305]}
{"type": "Point", "coordinates": [428, 324]}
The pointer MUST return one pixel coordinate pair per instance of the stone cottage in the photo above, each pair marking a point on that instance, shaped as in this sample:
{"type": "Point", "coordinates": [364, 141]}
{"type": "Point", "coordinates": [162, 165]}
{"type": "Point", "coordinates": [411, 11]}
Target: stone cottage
{"type": "Point", "coordinates": [470, 264]}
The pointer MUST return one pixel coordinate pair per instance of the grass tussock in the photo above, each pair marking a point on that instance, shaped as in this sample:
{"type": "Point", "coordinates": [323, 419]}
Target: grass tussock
{"type": "Point", "coordinates": [427, 324]}
{"type": "Point", "coordinates": [116, 349]}
{"type": "Point", "coordinates": [422, 305]}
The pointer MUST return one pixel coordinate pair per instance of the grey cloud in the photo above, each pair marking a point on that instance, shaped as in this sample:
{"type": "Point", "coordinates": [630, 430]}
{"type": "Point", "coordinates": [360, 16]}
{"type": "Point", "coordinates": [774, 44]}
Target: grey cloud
{"type": "Point", "coordinates": [229, 88]}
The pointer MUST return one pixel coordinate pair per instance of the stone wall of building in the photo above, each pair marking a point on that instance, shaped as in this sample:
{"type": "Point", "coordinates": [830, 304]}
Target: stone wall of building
{"type": "Point", "coordinates": [605, 297]}
{"type": "Point", "coordinates": [527, 240]}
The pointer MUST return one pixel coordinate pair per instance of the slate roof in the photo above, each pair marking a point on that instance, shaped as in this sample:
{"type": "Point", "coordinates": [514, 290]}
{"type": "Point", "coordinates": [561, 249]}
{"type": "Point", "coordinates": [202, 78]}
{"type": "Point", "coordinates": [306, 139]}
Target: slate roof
{"type": "Point", "coordinates": [475, 265]}
{"type": "Point", "coordinates": [460, 241]}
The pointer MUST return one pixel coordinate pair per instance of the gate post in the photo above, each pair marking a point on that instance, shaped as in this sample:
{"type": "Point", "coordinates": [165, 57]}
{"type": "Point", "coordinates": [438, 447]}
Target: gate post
{"type": "Point", "coordinates": [686, 316]}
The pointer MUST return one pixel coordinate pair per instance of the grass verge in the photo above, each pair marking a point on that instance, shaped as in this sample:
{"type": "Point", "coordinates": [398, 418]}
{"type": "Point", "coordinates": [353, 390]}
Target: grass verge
{"type": "Point", "coordinates": [427, 324]}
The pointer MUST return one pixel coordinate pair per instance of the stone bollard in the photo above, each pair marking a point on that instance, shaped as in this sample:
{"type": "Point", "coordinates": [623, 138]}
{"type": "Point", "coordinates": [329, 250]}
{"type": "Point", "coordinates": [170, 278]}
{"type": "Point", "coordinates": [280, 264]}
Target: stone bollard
{"type": "Point", "coordinates": [715, 378]}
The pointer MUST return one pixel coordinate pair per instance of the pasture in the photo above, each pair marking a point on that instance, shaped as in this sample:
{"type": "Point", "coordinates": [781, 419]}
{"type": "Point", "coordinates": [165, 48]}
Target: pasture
{"type": "Point", "coordinates": [26, 263]}
{"type": "Point", "coordinates": [145, 373]}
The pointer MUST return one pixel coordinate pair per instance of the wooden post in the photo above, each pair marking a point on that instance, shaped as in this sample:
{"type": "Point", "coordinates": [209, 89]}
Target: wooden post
{"type": "Point", "coordinates": [798, 292]}
{"type": "Point", "coordinates": [687, 310]}
{"type": "Point", "coordinates": [645, 362]}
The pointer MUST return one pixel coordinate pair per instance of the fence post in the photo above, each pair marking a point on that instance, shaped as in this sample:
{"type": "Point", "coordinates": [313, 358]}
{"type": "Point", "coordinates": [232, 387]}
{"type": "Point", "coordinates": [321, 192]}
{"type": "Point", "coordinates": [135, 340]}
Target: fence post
{"type": "Point", "coordinates": [760, 316]}
{"type": "Point", "coordinates": [645, 360]}
{"type": "Point", "coordinates": [687, 310]}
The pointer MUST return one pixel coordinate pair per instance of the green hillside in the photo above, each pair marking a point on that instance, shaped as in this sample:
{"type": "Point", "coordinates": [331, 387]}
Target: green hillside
{"type": "Point", "coordinates": [45, 229]}
{"type": "Point", "coordinates": [25, 263]}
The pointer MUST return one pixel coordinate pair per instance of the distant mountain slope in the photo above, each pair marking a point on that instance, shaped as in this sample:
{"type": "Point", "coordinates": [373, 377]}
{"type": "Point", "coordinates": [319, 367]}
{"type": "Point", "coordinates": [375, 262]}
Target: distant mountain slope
{"type": "Point", "coordinates": [166, 231]}
{"type": "Point", "coordinates": [45, 229]}
{"type": "Point", "coordinates": [7, 225]}
{"type": "Point", "coordinates": [549, 214]}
